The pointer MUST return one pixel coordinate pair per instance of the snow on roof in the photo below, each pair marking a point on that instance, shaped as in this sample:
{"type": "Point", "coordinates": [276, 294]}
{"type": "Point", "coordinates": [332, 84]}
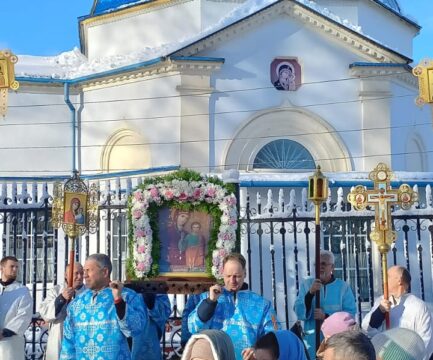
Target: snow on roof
{"type": "Point", "coordinates": [333, 177]}
{"type": "Point", "coordinates": [73, 64]}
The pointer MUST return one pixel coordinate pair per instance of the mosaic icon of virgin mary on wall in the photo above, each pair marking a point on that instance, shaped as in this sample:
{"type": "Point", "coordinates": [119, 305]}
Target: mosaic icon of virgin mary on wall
{"type": "Point", "coordinates": [285, 74]}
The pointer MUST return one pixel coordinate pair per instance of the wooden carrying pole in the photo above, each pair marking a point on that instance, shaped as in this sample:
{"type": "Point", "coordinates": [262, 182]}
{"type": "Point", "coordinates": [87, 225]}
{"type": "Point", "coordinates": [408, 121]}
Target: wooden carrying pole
{"type": "Point", "coordinates": [317, 258]}
{"type": "Point", "coordinates": [71, 262]}
{"type": "Point", "coordinates": [385, 286]}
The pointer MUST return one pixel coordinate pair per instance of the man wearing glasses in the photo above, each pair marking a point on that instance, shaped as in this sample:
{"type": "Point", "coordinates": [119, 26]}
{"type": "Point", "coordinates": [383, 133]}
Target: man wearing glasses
{"type": "Point", "coordinates": [335, 295]}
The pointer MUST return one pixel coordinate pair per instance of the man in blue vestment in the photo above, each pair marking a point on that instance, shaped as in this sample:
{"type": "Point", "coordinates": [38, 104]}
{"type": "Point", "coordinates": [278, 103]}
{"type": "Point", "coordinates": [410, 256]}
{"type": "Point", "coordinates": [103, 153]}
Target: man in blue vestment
{"type": "Point", "coordinates": [244, 315]}
{"type": "Point", "coordinates": [190, 305]}
{"type": "Point", "coordinates": [101, 318]}
{"type": "Point", "coordinates": [146, 346]}
{"type": "Point", "coordinates": [335, 295]}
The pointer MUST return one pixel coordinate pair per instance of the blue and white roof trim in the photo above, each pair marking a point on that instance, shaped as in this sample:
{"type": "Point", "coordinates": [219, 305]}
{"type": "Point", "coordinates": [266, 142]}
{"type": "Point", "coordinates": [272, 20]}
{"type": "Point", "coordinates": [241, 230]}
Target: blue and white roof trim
{"type": "Point", "coordinates": [105, 6]}
{"type": "Point", "coordinates": [117, 71]}
{"type": "Point", "coordinates": [384, 65]}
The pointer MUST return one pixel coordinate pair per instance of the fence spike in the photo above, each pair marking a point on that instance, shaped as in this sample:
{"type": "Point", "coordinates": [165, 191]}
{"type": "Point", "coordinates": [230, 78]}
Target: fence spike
{"type": "Point", "coordinates": [270, 202]}
{"type": "Point", "coordinates": [14, 193]}
{"type": "Point", "coordinates": [340, 199]}
{"type": "Point", "coordinates": [428, 197]}
{"type": "Point", "coordinates": [4, 194]}
{"type": "Point", "coordinates": [281, 200]}
{"type": "Point", "coordinates": [292, 199]}
{"type": "Point", "coordinates": [304, 199]}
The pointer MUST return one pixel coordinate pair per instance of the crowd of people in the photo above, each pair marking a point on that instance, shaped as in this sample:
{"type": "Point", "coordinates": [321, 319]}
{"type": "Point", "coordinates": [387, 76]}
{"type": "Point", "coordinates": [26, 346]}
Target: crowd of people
{"type": "Point", "coordinates": [99, 318]}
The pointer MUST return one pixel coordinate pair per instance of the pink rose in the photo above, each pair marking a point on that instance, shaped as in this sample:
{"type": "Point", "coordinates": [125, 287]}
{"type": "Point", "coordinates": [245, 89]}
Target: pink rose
{"type": "Point", "coordinates": [140, 266]}
{"type": "Point", "coordinates": [227, 236]}
{"type": "Point", "coordinates": [183, 197]}
{"type": "Point", "coordinates": [168, 194]}
{"type": "Point", "coordinates": [138, 195]}
{"type": "Point", "coordinates": [139, 233]}
{"type": "Point", "coordinates": [197, 193]}
{"type": "Point", "coordinates": [141, 249]}
{"type": "Point", "coordinates": [137, 214]}
{"type": "Point", "coordinates": [222, 252]}
{"type": "Point", "coordinates": [154, 192]}
{"type": "Point", "coordinates": [211, 192]}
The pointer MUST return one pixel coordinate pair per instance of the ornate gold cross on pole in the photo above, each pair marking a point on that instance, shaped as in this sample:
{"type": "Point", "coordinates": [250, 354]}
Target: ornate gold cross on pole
{"type": "Point", "coordinates": [382, 197]}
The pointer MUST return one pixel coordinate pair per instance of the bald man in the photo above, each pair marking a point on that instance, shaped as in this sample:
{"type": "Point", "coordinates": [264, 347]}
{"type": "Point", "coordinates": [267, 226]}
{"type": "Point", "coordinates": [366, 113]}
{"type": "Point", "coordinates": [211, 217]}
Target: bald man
{"type": "Point", "coordinates": [405, 310]}
{"type": "Point", "coordinates": [53, 309]}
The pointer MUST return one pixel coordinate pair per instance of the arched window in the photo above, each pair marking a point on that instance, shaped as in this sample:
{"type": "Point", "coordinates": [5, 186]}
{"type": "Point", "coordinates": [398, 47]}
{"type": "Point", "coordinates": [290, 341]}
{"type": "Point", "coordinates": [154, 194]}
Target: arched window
{"type": "Point", "coordinates": [283, 154]}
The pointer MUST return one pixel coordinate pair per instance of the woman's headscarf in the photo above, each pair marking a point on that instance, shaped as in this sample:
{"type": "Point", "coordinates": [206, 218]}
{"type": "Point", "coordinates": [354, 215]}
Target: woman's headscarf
{"type": "Point", "coordinates": [220, 346]}
{"type": "Point", "coordinates": [291, 348]}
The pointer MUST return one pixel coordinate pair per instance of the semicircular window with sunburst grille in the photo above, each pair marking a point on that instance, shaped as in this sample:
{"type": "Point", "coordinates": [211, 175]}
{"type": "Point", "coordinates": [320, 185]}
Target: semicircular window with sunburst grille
{"type": "Point", "coordinates": [283, 154]}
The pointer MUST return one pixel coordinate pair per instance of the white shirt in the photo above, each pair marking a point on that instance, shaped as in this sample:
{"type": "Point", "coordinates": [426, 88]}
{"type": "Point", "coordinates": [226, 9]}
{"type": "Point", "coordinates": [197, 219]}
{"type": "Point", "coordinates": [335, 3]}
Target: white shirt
{"type": "Point", "coordinates": [407, 312]}
{"type": "Point", "coordinates": [15, 315]}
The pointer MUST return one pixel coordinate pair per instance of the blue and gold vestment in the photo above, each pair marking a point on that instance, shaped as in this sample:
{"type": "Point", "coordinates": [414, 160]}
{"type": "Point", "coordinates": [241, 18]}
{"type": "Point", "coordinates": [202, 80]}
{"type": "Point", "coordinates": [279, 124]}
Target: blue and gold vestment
{"type": "Point", "coordinates": [244, 316]}
{"type": "Point", "coordinates": [93, 331]}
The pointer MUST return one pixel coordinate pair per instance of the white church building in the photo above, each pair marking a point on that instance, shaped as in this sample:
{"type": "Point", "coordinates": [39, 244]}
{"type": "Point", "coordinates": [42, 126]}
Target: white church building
{"type": "Point", "coordinates": [270, 88]}
{"type": "Point", "coordinates": [190, 83]}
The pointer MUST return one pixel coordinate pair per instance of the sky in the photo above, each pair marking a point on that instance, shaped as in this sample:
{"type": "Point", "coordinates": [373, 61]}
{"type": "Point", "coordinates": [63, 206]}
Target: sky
{"type": "Point", "coordinates": [50, 27]}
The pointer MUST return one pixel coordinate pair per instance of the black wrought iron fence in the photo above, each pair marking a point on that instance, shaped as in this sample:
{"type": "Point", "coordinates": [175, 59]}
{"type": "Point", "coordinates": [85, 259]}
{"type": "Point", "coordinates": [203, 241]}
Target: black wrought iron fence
{"type": "Point", "coordinates": [278, 241]}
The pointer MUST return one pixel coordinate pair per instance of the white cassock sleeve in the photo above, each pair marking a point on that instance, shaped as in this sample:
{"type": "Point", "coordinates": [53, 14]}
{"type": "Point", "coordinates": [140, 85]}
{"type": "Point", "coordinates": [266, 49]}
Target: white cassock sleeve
{"type": "Point", "coordinates": [47, 309]}
{"type": "Point", "coordinates": [20, 314]}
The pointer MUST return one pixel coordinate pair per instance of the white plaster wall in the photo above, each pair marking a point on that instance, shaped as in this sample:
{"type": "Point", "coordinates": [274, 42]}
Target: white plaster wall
{"type": "Point", "coordinates": [347, 9]}
{"type": "Point", "coordinates": [137, 31]}
{"type": "Point", "coordinates": [375, 21]}
{"type": "Point", "coordinates": [389, 30]}
{"type": "Point", "coordinates": [327, 92]}
{"type": "Point", "coordinates": [410, 124]}
{"type": "Point", "coordinates": [213, 10]}
{"type": "Point", "coordinates": [33, 121]}
{"type": "Point", "coordinates": [149, 107]}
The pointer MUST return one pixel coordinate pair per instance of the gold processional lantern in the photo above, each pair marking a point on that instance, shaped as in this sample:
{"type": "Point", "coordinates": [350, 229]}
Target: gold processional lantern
{"type": "Point", "coordinates": [317, 193]}
{"type": "Point", "coordinates": [317, 187]}
{"type": "Point", "coordinates": [75, 207]}
{"type": "Point", "coordinates": [7, 78]}
{"type": "Point", "coordinates": [424, 72]}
